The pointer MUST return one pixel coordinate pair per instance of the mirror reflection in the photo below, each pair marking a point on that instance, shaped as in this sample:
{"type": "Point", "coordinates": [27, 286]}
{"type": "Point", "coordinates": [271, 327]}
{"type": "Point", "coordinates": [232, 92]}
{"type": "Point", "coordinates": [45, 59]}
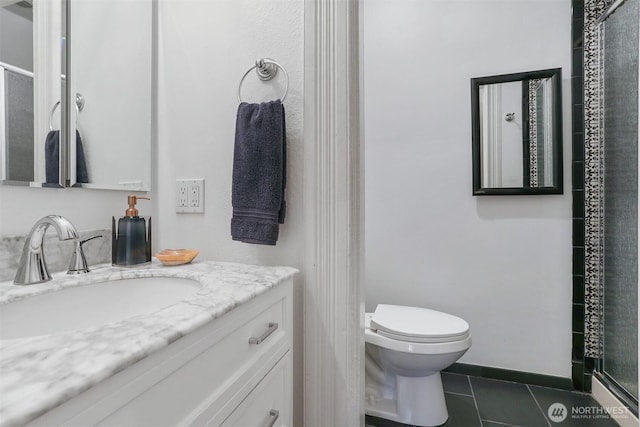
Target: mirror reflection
{"type": "Point", "coordinates": [97, 55]}
{"type": "Point", "coordinates": [110, 53]}
{"type": "Point", "coordinates": [16, 91]}
{"type": "Point", "coordinates": [517, 133]}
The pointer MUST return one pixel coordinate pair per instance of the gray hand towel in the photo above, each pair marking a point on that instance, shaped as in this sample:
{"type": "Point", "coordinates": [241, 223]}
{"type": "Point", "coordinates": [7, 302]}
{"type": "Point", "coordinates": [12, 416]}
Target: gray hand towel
{"type": "Point", "coordinates": [259, 173]}
{"type": "Point", "coordinates": [52, 158]}
{"type": "Point", "coordinates": [82, 175]}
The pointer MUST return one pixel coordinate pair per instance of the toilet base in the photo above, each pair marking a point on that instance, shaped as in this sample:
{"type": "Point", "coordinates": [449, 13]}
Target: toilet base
{"type": "Point", "coordinates": [419, 401]}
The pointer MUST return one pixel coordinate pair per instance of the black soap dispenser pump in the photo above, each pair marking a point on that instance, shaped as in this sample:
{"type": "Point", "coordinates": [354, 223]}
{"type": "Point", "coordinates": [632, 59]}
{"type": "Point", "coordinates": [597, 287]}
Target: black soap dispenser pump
{"type": "Point", "coordinates": [131, 239]}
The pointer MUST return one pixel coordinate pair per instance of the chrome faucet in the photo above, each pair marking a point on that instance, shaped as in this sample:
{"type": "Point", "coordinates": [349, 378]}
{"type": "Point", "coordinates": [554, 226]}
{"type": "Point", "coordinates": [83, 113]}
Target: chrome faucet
{"type": "Point", "coordinates": [33, 267]}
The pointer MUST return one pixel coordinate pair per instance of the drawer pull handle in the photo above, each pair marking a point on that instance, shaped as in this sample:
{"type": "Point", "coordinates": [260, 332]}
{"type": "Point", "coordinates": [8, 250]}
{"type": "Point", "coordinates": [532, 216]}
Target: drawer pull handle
{"type": "Point", "coordinates": [273, 417]}
{"type": "Point", "coordinates": [272, 328]}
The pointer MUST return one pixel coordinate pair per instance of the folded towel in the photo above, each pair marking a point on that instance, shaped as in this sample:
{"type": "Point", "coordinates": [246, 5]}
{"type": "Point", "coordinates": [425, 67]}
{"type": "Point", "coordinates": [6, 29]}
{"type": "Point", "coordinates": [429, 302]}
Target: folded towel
{"type": "Point", "coordinates": [259, 173]}
{"type": "Point", "coordinates": [82, 175]}
{"type": "Point", "coordinates": [52, 158]}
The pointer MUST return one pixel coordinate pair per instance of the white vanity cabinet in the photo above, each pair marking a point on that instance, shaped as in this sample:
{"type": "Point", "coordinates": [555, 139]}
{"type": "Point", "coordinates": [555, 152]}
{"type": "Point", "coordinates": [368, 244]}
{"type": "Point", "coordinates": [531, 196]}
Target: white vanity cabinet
{"type": "Point", "coordinates": [234, 371]}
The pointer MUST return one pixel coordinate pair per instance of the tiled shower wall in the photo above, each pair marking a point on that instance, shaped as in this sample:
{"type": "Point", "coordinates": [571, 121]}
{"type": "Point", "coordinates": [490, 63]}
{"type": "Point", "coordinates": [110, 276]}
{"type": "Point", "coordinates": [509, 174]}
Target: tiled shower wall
{"type": "Point", "coordinates": [586, 192]}
{"type": "Point", "coordinates": [581, 368]}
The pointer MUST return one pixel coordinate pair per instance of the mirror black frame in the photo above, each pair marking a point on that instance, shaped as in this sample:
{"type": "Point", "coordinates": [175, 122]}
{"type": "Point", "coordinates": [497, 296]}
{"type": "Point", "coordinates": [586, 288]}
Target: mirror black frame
{"type": "Point", "coordinates": [557, 187]}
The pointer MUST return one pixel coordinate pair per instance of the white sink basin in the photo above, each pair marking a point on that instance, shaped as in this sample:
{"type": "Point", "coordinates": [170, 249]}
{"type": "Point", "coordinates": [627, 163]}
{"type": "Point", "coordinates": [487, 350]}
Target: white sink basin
{"type": "Point", "coordinates": [91, 305]}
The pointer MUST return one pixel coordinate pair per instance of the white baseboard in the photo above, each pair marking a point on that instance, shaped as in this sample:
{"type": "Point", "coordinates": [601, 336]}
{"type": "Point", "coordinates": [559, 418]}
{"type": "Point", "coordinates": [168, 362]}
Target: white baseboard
{"type": "Point", "coordinates": [607, 400]}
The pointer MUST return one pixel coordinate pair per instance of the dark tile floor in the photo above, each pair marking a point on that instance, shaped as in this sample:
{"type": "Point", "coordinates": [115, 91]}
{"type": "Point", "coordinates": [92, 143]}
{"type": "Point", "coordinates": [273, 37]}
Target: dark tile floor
{"type": "Point", "coordinates": [482, 402]}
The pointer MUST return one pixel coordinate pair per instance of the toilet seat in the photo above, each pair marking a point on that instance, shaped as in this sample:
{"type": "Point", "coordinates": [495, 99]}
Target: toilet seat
{"type": "Point", "coordinates": [375, 338]}
{"type": "Point", "coordinates": [417, 325]}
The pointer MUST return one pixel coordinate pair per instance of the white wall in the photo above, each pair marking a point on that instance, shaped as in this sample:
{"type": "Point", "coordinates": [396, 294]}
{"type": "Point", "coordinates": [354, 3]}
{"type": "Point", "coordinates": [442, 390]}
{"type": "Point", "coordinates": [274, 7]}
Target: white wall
{"type": "Point", "coordinates": [205, 47]}
{"type": "Point", "coordinates": [502, 263]}
{"type": "Point", "coordinates": [21, 207]}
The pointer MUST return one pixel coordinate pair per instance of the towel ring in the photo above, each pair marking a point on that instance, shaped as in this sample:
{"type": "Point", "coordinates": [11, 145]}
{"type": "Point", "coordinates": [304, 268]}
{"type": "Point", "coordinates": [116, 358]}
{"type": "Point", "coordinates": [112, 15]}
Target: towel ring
{"type": "Point", "coordinates": [79, 107]}
{"type": "Point", "coordinates": [266, 69]}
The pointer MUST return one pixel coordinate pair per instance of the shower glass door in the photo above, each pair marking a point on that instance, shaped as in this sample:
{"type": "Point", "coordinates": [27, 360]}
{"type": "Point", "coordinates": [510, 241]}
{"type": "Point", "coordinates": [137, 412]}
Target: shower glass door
{"type": "Point", "coordinates": [619, 62]}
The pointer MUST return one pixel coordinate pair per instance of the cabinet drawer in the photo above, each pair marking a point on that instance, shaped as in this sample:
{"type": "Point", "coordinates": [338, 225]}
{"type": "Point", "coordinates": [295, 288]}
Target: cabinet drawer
{"type": "Point", "coordinates": [209, 375]}
{"type": "Point", "coordinates": [268, 404]}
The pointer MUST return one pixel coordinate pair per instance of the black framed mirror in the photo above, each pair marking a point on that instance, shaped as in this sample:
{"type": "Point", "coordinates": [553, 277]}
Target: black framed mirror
{"type": "Point", "coordinates": [517, 133]}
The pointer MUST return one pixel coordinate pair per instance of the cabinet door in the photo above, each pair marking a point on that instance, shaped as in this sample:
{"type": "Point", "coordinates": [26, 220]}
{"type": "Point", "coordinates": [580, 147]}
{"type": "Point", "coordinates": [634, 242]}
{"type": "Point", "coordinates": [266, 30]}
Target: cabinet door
{"type": "Point", "coordinates": [269, 403]}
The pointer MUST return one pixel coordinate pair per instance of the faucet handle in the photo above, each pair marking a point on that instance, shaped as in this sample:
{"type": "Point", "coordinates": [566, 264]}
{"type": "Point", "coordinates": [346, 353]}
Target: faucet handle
{"type": "Point", "coordinates": [83, 241]}
{"type": "Point", "coordinates": [78, 263]}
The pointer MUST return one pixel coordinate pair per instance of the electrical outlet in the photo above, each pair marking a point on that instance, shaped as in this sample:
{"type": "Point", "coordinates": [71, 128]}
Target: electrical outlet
{"type": "Point", "coordinates": [194, 192]}
{"type": "Point", "coordinates": [190, 196]}
{"type": "Point", "coordinates": [182, 200]}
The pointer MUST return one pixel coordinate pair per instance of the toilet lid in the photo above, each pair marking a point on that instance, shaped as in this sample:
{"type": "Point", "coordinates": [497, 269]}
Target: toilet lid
{"type": "Point", "coordinates": [417, 324]}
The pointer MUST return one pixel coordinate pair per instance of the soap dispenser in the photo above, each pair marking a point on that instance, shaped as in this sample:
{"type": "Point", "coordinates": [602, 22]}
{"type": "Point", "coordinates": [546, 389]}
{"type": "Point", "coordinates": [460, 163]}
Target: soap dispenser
{"type": "Point", "coordinates": [131, 237]}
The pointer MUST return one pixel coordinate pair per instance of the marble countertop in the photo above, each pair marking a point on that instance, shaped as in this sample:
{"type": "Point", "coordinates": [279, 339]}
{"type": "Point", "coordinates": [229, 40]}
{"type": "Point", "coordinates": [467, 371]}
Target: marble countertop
{"type": "Point", "coordinates": [39, 373]}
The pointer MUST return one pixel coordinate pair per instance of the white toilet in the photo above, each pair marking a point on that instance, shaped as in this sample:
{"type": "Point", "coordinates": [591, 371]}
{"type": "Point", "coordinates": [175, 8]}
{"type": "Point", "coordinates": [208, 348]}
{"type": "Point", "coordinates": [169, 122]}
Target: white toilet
{"type": "Point", "coordinates": [406, 348]}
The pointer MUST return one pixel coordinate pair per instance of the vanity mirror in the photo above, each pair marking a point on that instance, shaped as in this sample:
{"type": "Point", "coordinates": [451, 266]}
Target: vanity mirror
{"type": "Point", "coordinates": [517, 133]}
{"type": "Point", "coordinates": [16, 91]}
{"type": "Point", "coordinates": [96, 54]}
{"type": "Point", "coordinates": [110, 65]}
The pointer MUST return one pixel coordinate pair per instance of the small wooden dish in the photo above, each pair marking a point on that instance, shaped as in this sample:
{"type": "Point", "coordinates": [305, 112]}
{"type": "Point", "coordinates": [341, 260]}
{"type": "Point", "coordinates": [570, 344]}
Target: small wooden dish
{"type": "Point", "coordinates": [176, 256]}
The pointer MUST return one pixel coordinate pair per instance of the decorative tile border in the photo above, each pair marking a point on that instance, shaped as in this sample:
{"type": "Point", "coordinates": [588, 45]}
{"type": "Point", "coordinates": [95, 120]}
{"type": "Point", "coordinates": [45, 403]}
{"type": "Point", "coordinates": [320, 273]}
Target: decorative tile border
{"type": "Point", "coordinates": [593, 175]}
{"type": "Point", "coordinates": [533, 132]}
